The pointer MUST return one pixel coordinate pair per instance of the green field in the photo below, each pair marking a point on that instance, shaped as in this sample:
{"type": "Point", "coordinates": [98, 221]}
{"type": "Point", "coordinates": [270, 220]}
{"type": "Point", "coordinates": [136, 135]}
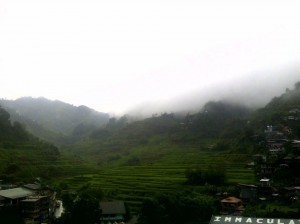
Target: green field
{"type": "Point", "coordinates": [159, 169]}
{"type": "Point", "coordinates": [134, 183]}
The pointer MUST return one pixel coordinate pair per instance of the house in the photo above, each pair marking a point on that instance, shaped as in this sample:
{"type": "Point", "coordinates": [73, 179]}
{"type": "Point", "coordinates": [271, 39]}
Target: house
{"type": "Point", "coordinates": [295, 144]}
{"type": "Point", "coordinates": [294, 111]}
{"type": "Point", "coordinates": [266, 169]}
{"type": "Point", "coordinates": [290, 193]}
{"type": "Point", "coordinates": [265, 190]}
{"type": "Point", "coordinates": [33, 187]}
{"type": "Point", "coordinates": [259, 159]}
{"type": "Point", "coordinates": [34, 203]}
{"type": "Point", "coordinates": [35, 209]}
{"type": "Point", "coordinates": [265, 182]}
{"type": "Point", "coordinates": [15, 195]}
{"type": "Point", "coordinates": [111, 212]}
{"type": "Point", "coordinates": [232, 205]}
{"type": "Point", "coordinates": [275, 137]}
{"type": "Point", "coordinates": [248, 193]}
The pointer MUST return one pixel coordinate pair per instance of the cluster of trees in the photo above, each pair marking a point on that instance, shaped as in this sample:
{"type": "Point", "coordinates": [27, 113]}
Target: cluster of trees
{"type": "Point", "coordinates": [27, 148]}
{"type": "Point", "coordinates": [214, 175]}
{"type": "Point", "coordinates": [177, 208]}
{"type": "Point", "coordinates": [81, 206]}
{"type": "Point", "coordinates": [11, 134]}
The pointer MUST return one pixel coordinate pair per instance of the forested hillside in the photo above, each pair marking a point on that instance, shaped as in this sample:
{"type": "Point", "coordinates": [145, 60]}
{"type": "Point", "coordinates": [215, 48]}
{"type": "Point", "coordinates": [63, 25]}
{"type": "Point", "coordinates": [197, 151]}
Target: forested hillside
{"type": "Point", "coordinates": [282, 111]}
{"type": "Point", "coordinates": [218, 125]}
{"type": "Point", "coordinates": [22, 155]}
{"type": "Point", "coordinates": [54, 121]}
{"type": "Point", "coordinates": [165, 159]}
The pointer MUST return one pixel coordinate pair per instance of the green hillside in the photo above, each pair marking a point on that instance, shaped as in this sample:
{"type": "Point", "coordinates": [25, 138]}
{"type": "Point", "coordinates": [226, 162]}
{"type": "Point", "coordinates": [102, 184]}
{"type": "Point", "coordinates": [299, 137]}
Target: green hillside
{"type": "Point", "coordinates": [140, 159]}
{"type": "Point", "coordinates": [163, 154]}
{"type": "Point", "coordinates": [22, 155]}
{"type": "Point", "coordinates": [54, 121]}
{"type": "Point", "coordinates": [137, 160]}
{"type": "Point", "coordinates": [281, 111]}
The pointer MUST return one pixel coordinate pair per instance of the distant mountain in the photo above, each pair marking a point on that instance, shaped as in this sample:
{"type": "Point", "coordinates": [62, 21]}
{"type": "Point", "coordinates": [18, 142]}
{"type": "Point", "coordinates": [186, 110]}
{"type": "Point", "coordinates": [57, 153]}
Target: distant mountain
{"type": "Point", "coordinates": [282, 111]}
{"type": "Point", "coordinates": [119, 139]}
{"type": "Point", "coordinates": [221, 125]}
{"type": "Point", "coordinates": [23, 156]}
{"type": "Point", "coordinates": [54, 121]}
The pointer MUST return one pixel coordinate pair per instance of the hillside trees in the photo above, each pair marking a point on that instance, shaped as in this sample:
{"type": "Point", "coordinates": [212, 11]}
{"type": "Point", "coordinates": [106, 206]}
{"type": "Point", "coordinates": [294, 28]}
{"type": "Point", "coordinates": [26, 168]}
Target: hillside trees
{"type": "Point", "coordinates": [177, 208]}
{"type": "Point", "coordinates": [11, 133]}
{"type": "Point", "coordinates": [24, 155]}
{"type": "Point", "coordinates": [82, 206]}
{"type": "Point", "coordinates": [215, 174]}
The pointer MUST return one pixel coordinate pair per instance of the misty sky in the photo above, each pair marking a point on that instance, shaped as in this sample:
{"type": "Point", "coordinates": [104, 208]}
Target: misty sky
{"type": "Point", "coordinates": [118, 55]}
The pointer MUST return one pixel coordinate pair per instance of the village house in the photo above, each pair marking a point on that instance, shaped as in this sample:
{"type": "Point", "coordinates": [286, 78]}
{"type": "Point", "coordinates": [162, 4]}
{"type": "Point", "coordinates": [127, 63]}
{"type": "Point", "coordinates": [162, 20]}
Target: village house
{"type": "Point", "coordinates": [112, 212]}
{"type": "Point", "coordinates": [248, 193]}
{"type": "Point", "coordinates": [295, 144]}
{"type": "Point", "coordinates": [13, 196]}
{"type": "Point", "coordinates": [290, 193]}
{"type": "Point", "coordinates": [266, 169]}
{"type": "Point", "coordinates": [259, 159]}
{"type": "Point", "coordinates": [273, 137]}
{"type": "Point", "coordinates": [35, 209]}
{"type": "Point", "coordinates": [34, 202]}
{"type": "Point", "coordinates": [232, 205]}
{"type": "Point", "coordinates": [265, 190]}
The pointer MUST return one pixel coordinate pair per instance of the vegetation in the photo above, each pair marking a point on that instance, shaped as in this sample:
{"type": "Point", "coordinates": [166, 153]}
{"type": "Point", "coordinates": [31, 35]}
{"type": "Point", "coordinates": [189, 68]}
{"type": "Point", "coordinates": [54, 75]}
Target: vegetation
{"type": "Point", "coordinates": [177, 208]}
{"type": "Point", "coordinates": [54, 121]}
{"type": "Point", "coordinates": [168, 165]}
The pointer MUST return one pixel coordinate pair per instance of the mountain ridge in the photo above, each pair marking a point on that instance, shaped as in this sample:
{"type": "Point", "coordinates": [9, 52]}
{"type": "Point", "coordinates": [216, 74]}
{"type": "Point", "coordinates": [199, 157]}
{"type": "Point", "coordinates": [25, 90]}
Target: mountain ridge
{"type": "Point", "coordinates": [54, 121]}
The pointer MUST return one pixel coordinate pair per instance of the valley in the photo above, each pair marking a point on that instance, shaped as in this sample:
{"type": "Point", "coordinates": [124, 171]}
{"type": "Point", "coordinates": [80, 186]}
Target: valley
{"type": "Point", "coordinates": [164, 159]}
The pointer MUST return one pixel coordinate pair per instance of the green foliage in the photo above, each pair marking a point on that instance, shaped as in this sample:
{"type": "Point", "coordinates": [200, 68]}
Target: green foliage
{"type": "Point", "coordinates": [54, 120]}
{"type": "Point", "coordinates": [178, 208]}
{"type": "Point", "coordinates": [214, 174]}
{"type": "Point", "coordinates": [22, 155]}
{"type": "Point", "coordinates": [10, 215]}
{"type": "Point", "coordinates": [276, 112]}
{"type": "Point", "coordinates": [83, 206]}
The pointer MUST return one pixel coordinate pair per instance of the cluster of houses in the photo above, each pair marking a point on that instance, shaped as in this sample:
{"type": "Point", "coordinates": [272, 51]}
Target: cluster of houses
{"type": "Point", "coordinates": [37, 204]}
{"type": "Point", "coordinates": [275, 159]}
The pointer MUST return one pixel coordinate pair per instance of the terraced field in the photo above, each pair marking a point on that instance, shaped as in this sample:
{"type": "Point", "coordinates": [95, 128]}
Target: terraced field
{"type": "Point", "coordinates": [135, 183]}
{"type": "Point", "coordinates": [159, 170]}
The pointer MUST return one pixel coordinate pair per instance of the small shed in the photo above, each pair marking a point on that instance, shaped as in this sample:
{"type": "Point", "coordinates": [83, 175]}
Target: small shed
{"type": "Point", "coordinates": [112, 211]}
{"type": "Point", "coordinates": [232, 205]}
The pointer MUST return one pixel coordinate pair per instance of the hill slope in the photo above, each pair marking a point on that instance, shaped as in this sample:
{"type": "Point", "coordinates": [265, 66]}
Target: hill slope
{"type": "Point", "coordinates": [23, 156]}
{"type": "Point", "coordinates": [281, 112]}
{"type": "Point", "coordinates": [54, 120]}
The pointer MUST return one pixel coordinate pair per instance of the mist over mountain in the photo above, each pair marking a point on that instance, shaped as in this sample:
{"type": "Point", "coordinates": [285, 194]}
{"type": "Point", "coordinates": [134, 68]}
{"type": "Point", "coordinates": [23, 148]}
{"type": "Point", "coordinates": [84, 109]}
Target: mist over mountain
{"type": "Point", "coordinates": [253, 91]}
{"type": "Point", "coordinates": [53, 120]}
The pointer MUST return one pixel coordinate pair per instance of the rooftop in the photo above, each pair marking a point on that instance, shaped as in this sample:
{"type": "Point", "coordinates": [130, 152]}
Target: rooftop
{"type": "Point", "coordinates": [108, 208]}
{"type": "Point", "coordinates": [33, 186]}
{"type": "Point", "coordinates": [231, 200]}
{"type": "Point", "coordinates": [15, 193]}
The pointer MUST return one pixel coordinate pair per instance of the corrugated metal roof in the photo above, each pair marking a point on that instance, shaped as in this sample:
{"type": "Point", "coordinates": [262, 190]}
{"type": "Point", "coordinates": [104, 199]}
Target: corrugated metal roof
{"type": "Point", "coordinates": [231, 200]}
{"type": "Point", "coordinates": [109, 208]}
{"type": "Point", "coordinates": [33, 186]}
{"type": "Point", "coordinates": [15, 193]}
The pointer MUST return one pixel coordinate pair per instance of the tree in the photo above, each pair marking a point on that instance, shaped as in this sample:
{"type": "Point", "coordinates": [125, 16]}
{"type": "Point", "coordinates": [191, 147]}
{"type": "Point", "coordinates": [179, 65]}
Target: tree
{"type": "Point", "coordinates": [214, 174]}
{"type": "Point", "coordinates": [83, 206]}
{"type": "Point", "coordinates": [177, 208]}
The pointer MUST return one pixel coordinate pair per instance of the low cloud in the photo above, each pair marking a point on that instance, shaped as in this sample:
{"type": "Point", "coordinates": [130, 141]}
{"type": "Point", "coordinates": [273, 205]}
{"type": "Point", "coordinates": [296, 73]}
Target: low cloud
{"type": "Point", "coordinates": [254, 90]}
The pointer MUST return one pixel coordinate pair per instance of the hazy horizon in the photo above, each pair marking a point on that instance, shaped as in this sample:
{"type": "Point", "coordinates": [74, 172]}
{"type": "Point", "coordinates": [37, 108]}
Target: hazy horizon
{"type": "Point", "coordinates": [146, 57]}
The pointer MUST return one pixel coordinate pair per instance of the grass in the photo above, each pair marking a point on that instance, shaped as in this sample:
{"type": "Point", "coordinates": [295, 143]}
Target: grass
{"type": "Point", "coordinates": [159, 168]}
{"type": "Point", "coordinates": [165, 173]}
